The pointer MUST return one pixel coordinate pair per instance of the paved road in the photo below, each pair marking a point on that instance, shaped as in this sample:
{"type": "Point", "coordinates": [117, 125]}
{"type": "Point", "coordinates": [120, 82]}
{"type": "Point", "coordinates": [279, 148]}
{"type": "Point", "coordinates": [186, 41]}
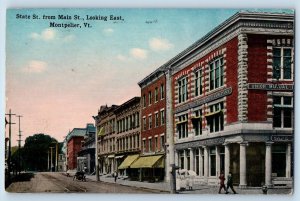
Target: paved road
{"type": "Point", "coordinates": [46, 182]}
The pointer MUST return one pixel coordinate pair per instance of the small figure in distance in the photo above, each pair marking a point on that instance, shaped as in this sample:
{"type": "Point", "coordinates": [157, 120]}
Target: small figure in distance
{"type": "Point", "coordinates": [230, 183]}
{"type": "Point", "coordinates": [222, 184]}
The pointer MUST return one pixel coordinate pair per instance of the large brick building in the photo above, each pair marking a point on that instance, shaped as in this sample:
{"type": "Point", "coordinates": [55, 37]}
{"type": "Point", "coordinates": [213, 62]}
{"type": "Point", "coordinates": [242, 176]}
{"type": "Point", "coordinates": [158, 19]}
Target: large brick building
{"type": "Point", "coordinates": [153, 127]}
{"type": "Point", "coordinates": [233, 101]}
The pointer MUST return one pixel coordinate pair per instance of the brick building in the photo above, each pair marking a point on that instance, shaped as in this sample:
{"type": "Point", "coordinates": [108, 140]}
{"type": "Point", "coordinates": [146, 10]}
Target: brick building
{"type": "Point", "coordinates": [233, 101]}
{"type": "Point", "coordinates": [153, 126]}
{"type": "Point", "coordinates": [73, 140]}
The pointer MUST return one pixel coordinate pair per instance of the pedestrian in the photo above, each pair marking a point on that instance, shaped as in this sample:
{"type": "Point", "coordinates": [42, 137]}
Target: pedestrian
{"type": "Point", "coordinates": [230, 183]}
{"type": "Point", "coordinates": [222, 183]}
{"type": "Point", "coordinates": [116, 176]}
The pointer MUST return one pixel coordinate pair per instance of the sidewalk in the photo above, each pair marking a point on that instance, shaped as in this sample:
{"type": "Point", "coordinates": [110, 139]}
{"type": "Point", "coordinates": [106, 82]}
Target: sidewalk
{"type": "Point", "coordinates": [197, 189]}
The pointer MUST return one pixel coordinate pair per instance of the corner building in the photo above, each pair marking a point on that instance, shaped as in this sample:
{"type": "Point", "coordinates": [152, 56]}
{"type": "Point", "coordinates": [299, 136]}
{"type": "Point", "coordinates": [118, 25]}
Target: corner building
{"type": "Point", "coordinates": [233, 101]}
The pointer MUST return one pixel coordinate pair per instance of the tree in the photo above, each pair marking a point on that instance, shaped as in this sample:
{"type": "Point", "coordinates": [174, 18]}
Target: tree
{"type": "Point", "coordinates": [35, 152]}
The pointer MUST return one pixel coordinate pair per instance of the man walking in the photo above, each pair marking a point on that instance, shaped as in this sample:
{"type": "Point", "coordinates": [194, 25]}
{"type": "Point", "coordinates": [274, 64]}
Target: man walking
{"type": "Point", "coordinates": [230, 183]}
{"type": "Point", "coordinates": [222, 184]}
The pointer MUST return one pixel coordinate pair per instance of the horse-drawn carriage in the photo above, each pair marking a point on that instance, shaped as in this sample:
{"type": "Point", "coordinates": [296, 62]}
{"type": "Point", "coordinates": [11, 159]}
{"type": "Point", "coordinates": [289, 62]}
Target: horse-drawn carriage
{"type": "Point", "coordinates": [79, 175]}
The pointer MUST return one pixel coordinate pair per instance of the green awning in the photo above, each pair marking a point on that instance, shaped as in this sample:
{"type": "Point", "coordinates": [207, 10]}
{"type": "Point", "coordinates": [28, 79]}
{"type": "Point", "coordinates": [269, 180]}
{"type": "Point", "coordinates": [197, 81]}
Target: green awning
{"type": "Point", "coordinates": [128, 161]}
{"type": "Point", "coordinates": [101, 131]}
{"type": "Point", "coordinates": [213, 113]}
{"type": "Point", "coordinates": [148, 162]}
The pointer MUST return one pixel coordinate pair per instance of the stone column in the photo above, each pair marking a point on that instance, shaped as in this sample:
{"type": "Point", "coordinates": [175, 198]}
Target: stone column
{"type": "Point", "coordinates": [243, 171]}
{"type": "Point", "coordinates": [176, 158]}
{"type": "Point", "coordinates": [200, 162]}
{"type": "Point", "coordinates": [185, 159]}
{"type": "Point", "coordinates": [268, 164]}
{"type": "Point", "coordinates": [288, 161]}
{"type": "Point", "coordinates": [192, 160]}
{"type": "Point", "coordinates": [227, 160]}
{"type": "Point", "coordinates": [218, 171]}
{"type": "Point", "coordinates": [206, 165]}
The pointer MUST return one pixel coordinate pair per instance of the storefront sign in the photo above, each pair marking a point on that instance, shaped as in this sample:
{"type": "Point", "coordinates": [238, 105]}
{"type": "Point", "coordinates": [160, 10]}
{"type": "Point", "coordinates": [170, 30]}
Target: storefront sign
{"type": "Point", "coordinates": [194, 144]}
{"type": "Point", "coordinates": [206, 99]}
{"type": "Point", "coordinates": [270, 87]}
{"type": "Point", "coordinates": [281, 138]}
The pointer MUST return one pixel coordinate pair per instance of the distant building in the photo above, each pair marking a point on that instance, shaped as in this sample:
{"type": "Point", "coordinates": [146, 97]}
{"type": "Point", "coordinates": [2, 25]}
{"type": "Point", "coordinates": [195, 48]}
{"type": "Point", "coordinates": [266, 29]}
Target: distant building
{"type": "Point", "coordinates": [86, 156]}
{"type": "Point", "coordinates": [74, 140]}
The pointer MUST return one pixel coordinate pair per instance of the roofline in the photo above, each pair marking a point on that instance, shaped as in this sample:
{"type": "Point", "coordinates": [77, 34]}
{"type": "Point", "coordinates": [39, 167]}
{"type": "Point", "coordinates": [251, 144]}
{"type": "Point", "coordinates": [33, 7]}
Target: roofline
{"type": "Point", "coordinates": [136, 98]}
{"type": "Point", "coordinates": [241, 15]}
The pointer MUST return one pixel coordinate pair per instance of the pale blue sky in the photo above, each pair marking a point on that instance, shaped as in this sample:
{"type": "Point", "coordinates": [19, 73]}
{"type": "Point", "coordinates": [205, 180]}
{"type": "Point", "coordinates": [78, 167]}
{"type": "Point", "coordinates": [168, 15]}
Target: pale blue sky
{"type": "Point", "coordinates": [58, 77]}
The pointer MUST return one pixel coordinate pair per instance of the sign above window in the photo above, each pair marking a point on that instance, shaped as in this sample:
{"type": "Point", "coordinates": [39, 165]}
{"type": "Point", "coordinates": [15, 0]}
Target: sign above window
{"type": "Point", "coordinates": [271, 87]}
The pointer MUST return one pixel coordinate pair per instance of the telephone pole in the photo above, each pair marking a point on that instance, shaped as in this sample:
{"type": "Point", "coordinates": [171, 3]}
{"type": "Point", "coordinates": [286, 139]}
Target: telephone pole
{"type": "Point", "coordinates": [19, 144]}
{"type": "Point", "coordinates": [9, 143]}
{"type": "Point", "coordinates": [56, 158]}
{"type": "Point", "coordinates": [51, 159]}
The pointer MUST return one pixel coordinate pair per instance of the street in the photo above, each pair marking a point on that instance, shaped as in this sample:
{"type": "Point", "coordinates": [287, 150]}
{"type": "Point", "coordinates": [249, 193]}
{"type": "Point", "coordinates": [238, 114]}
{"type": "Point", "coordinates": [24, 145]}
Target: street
{"type": "Point", "coordinates": [52, 182]}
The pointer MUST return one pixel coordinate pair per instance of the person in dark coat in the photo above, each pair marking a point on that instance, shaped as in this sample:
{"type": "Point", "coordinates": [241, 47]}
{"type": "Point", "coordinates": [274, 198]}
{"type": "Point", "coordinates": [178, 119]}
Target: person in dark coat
{"type": "Point", "coordinates": [222, 182]}
{"type": "Point", "coordinates": [230, 183]}
{"type": "Point", "coordinates": [116, 175]}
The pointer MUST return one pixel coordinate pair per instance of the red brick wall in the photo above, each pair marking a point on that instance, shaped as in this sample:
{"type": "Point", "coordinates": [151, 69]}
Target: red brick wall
{"type": "Point", "coordinates": [231, 77]}
{"type": "Point", "coordinates": [257, 73]}
{"type": "Point", "coordinates": [161, 104]}
{"type": "Point", "coordinates": [74, 146]}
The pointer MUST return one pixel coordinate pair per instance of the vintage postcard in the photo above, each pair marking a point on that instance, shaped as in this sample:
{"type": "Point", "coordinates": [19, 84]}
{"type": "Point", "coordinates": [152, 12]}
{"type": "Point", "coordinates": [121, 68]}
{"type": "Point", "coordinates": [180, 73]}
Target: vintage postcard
{"type": "Point", "coordinates": [188, 101]}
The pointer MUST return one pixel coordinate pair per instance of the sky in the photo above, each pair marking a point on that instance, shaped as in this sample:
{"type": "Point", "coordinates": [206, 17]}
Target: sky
{"type": "Point", "coordinates": [57, 78]}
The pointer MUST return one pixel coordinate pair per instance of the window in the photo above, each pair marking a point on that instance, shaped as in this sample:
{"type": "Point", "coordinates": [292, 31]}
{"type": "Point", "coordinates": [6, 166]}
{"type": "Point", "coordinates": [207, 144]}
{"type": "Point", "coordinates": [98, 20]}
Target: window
{"type": "Point", "coordinates": [212, 156]}
{"type": "Point", "coordinates": [144, 100]}
{"type": "Point", "coordinates": [182, 90]}
{"type": "Point", "coordinates": [137, 119]}
{"type": "Point", "coordinates": [150, 97]}
{"type": "Point", "coordinates": [282, 63]}
{"type": "Point", "coordinates": [156, 94]}
{"type": "Point", "coordinates": [162, 142]}
{"type": "Point", "coordinates": [150, 145]}
{"type": "Point", "coordinates": [162, 91]}
{"type": "Point", "coordinates": [216, 74]}
{"type": "Point", "coordinates": [162, 117]}
{"type": "Point", "coordinates": [156, 144]}
{"type": "Point", "coordinates": [279, 160]}
{"type": "Point", "coordinates": [197, 122]}
{"type": "Point", "coordinates": [144, 145]}
{"type": "Point", "coordinates": [215, 118]}
{"type": "Point", "coordinates": [222, 158]}
{"type": "Point", "coordinates": [182, 126]}
{"type": "Point", "coordinates": [150, 121]}
{"type": "Point", "coordinates": [198, 83]}
{"type": "Point", "coordinates": [188, 158]}
{"type": "Point", "coordinates": [196, 161]}
{"type": "Point", "coordinates": [181, 159]}
{"type": "Point", "coordinates": [282, 111]}
{"type": "Point", "coordinates": [156, 120]}
{"type": "Point", "coordinates": [144, 123]}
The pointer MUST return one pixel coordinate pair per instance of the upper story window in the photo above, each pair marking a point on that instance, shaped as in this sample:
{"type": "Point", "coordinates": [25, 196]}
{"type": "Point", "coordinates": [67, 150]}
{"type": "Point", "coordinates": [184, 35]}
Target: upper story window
{"type": "Point", "coordinates": [197, 122]}
{"type": "Point", "coordinates": [182, 90]}
{"type": "Point", "coordinates": [150, 97]}
{"type": "Point", "coordinates": [156, 120]}
{"type": "Point", "coordinates": [162, 91]}
{"type": "Point", "coordinates": [282, 63]}
{"type": "Point", "coordinates": [144, 123]}
{"type": "Point", "coordinates": [215, 118]}
{"type": "Point", "coordinates": [282, 111]}
{"type": "Point", "coordinates": [162, 117]}
{"type": "Point", "coordinates": [182, 126]}
{"type": "Point", "coordinates": [144, 100]}
{"type": "Point", "coordinates": [150, 121]}
{"type": "Point", "coordinates": [216, 73]}
{"type": "Point", "coordinates": [198, 83]}
{"type": "Point", "coordinates": [156, 94]}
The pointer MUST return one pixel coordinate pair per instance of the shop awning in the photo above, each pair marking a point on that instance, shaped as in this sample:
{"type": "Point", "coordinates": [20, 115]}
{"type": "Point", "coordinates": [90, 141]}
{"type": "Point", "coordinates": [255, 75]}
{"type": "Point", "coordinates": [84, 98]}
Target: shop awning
{"type": "Point", "coordinates": [101, 131]}
{"type": "Point", "coordinates": [149, 162]}
{"type": "Point", "coordinates": [121, 156]}
{"type": "Point", "coordinates": [128, 161]}
{"type": "Point", "coordinates": [181, 122]}
{"type": "Point", "coordinates": [213, 113]}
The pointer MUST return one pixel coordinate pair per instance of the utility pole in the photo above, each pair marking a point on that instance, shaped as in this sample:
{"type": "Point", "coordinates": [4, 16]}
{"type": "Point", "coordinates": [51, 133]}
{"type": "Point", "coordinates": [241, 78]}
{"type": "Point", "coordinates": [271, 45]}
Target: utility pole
{"type": "Point", "coordinates": [51, 158]}
{"type": "Point", "coordinates": [9, 144]}
{"type": "Point", "coordinates": [19, 143]}
{"type": "Point", "coordinates": [48, 160]}
{"type": "Point", "coordinates": [56, 158]}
